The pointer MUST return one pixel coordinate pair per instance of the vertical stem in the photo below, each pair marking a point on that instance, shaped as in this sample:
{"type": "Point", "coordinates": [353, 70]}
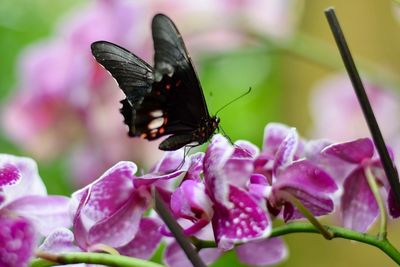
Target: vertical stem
{"type": "Point", "coordinates": [177, 231]}
{"type": "Point", "coordinates": [382, 211]}
{"type": "Point", "coordinates": [388, 166]}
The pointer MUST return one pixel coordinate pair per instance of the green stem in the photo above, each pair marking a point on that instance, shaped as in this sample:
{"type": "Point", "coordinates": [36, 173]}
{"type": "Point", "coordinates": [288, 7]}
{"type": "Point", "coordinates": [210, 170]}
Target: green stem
{"type": "Point", "coordinates": [309, 216]}
{"type": "Point", "coordinates": [338, 232]}
{"type": "Point", "coordinates": [382, 211]}
{"type": "Point", "coordinates": [46, 260]}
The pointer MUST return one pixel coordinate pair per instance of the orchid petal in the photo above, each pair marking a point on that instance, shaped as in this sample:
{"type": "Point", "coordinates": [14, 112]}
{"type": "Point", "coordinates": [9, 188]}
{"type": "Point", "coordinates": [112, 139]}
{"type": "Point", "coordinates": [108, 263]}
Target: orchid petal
{"type": "Point", "coordinates": [61, 240]}
{"type": "Point", "coordinates": [354, 151]}
{"type": "Point", "coordinates": [286, 151]}
{"type": "Point", "coordinates": [358, 205]}
{"type": "Point", "coordinates": [309, 184]}
{"type": "Point", "coordinates": [245, 221]}
{"type": "Point", "coordinates": [191, 202]}
{"type": "Point", "coordinates": [169, 162]}
{"type": "Point", "coordinates": [218, 153]}
{"type": "Point", "coordinates": [263, 252]}
{"type": "Point", "coordinates": [45, 212]}
{"type": "Point", "coordinates": [175, 257]}
{"type": "Point", "coordinates": [17, 241]}
{"type": "Point", "coordinates": [9, 175]}
{"type": "Point", "coordinates": [274, 134]}
{"type": "Point", "coordinates": [121, 227]}
{"type": "Point", "coordinates": [107, 194]}
{"type": "Point", "coordinates": [145, 242]}
{"type": "Point", "coordinates": [29, 183]}
{"type": "Point", "coordinates": [196, 167]}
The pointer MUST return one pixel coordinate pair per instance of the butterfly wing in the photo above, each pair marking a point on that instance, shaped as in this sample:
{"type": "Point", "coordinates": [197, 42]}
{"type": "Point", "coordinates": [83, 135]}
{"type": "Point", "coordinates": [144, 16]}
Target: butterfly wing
{"type": "Point", "coordinates": [173, 64]}
{"type": "Point", "coordinates": [133, 75]}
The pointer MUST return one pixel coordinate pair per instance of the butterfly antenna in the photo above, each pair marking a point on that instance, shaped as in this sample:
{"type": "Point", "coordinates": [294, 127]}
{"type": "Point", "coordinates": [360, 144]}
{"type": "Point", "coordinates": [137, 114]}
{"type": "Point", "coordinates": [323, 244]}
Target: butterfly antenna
{"type": "Point", "coordinates": [225, 135]}
{"type": "Point", "coordinates": [233, 100]}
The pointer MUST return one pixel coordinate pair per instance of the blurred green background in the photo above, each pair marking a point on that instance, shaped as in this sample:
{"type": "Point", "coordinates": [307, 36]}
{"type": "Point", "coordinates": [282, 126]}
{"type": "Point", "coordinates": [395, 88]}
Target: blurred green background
{"type": "Point", "coordinates": [281, 80]}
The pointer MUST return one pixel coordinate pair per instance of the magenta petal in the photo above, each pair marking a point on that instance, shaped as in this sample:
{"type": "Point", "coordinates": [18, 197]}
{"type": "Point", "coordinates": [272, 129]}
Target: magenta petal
{"type": "Point", "coordinates": [217, 154]}
{"type": "Point", "coordinates": [262, 252]}
{"type": "Point", "coordinates": [196, 167]}
{"type": "Point", "coordinates": [60, 240]}
{"type": "Point", "coordinates": [108, 193]}
{"type": "Point", "coordinates": [318, 205]}
{"type": "Point", "coordinates": [286, 151]}
{"type": "Point", "coordinates": [354, 151]}
{"type": "Point", "coordinates": [17, 241]}
{"type": "Point", "coordinates": [145, 242]}
{"type": "Point", "coordinates": [309, 184]}
{"type": "Point", "coordinates": [121, 227]}
{"type": "Point", "coordinates": [29, 183]}
{"type": "Point", "coordinates": [190, 201]}
{"type": "Point", "coordinates": [245, 221]}
{"type": "Point", "coordinates": [169, 162]}
{"type": "Point", "coordinates": [274, 134]}
{"type": "Point", "coordinates": [9, 175]}
{"type": "Point", "coordinates": [306, 176]}
{"type": "Point", "coordinates": [358, 205]}
{"type": "Point", "coordinates": [175, 257]}
{"type": "Point", "coordinates": [45, 212]}
{"type": "Point", "coordinates": [245, 149]}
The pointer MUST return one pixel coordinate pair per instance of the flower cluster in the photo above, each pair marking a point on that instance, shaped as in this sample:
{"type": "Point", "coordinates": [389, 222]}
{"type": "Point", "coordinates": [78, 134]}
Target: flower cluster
{"type": "Point", "coordinates": [231, 194]}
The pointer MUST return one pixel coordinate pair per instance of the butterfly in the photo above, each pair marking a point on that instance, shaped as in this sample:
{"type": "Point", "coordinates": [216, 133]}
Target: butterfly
{"type": "Point", "coordinates": [166, 99]}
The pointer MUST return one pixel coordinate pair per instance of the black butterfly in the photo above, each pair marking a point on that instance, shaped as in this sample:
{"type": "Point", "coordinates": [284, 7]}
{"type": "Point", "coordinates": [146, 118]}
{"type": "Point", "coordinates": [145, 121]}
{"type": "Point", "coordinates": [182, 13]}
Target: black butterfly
{"type": "Point", "coordinates": [164, 100]}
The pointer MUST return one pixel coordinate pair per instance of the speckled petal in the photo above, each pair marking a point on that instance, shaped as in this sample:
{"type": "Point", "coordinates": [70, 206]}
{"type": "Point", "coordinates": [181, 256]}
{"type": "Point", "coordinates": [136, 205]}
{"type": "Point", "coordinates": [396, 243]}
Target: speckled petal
{"type": "Point", "coordinates": [274, 134]}
{"type": "Point", "coordinates": [218, 153]}
{"type": "Point", "coordinates": [9, 175]}
{"type": "Point", "coordinates": [354, 151]}
{"type": "Point", "coordinates": [190, 201]}
{"type": "Point", "coordinates": [196, 167]}
{"type": "Point", "coordinates": [175, 257]}
{"type": "Point", "coordinates": [17, 241]}
{"type": "Point", "coordinates": [286, 151]}
{"type": "Point", "coordinates": [145, 242]}
{"type": "Point", "coordinates": [245, 221]}
{"type": "Point", "coordinates": [263, 252]}
{"type": "Point", "coordinates": [240, 165]}
{"type": "Point", "coordinates": [107, 194]}
{"type": "Point", "coordinates": [59, 241]}
{"type": "Point", "coordinates": [45, 212]}
{"type": "Point", "coordinates": [121, 227]}
{"type": "Point", "coordinates": [358, 205]}
{"type": "Point", "coordinates": [29, 182]}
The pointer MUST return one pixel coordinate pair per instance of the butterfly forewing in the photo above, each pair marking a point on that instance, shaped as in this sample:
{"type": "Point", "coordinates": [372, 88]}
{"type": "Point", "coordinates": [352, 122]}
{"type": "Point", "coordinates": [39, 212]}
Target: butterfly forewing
{"type": "Point", "coordinates": [134, 76]}
{"type": "Point", "coordinates": [171, 59]}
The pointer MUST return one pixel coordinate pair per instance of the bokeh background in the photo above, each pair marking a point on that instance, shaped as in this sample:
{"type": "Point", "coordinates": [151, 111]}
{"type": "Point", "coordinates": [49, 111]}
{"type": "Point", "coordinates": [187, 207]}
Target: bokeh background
{"type": "Point", "coordinates": [60, 108]}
